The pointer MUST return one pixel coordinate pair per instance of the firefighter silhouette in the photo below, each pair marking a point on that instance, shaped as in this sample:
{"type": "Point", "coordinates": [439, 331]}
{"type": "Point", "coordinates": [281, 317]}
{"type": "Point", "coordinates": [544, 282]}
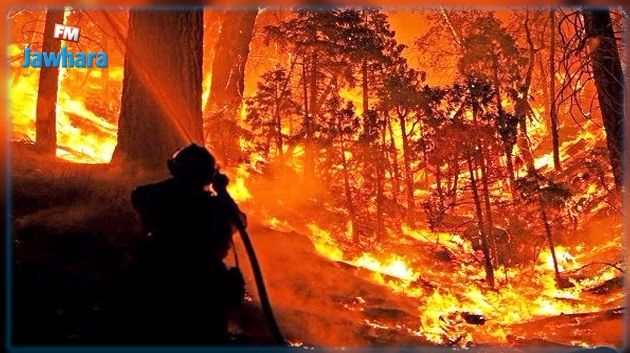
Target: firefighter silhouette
{"type": "Point", "coordinates": [181, 289]}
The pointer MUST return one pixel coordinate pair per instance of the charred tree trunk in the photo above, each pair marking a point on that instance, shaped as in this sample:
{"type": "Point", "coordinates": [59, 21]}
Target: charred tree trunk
{"type": "Point", "coordinates": [487, 263]}
{"type": "Point", "coordinates": [609, 81]}
{"type": "Point", "coordinates": [308, 162]}
{"type": "Point", "coordinates": [523, 108]}
{"type": "Point", "coordinates": [407, 167]}
{"type": "Point", "coordinates": [348, 193]}
{"type": "Point", "coordinates": [278, 123]}
{"type": "Point", "coordinates": [487, 206]}
{"type": "Point", "coordinates": [365, 85]}
{"type": "Point", "coordinates": [380, 180]}
{"type": "Point", "coordinates": [425, 157]}
{"type": "Point", "coordinates": [439, 188]}
{"type": "Point", "coordinates": [228, 82]}
{"type": "Point", "coordinates": [553, 113]}
{"type": "Point", "coordinates": [46, 118]}
{"type": "Point", "coordinates": [161, 95]}
{"type": "Point", "coordinates": [352, 211]}
{"type": "Point", "coordinates": [549, 235]}
{"type": "Point", "coordinates": [524, 145]}
{"type": "Point", "coordinates": [395, 168]}
{"type": "Point", "coordinates": [507, 145]}
{"type": "Point", "coordinates": [454, 167]}
{"type": "Point", "coordinates": [309, 150]}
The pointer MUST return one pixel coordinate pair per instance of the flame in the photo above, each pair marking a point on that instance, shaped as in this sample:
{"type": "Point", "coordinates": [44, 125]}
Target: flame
{"type": "Point", "coordinates": [206, 86]}
{"type": "Point", "coordinates": [237, 187]}
{"type": "Point", "coordinates": [324, 243]}
{"type": "Point", "coordinates": [395, 266]}
{"type": "Point", "coordinates": [461, 292]}
{"type": "Point", "coordinates": [446, 292]}
{"type": "Point", "coordinates": [82, 134]}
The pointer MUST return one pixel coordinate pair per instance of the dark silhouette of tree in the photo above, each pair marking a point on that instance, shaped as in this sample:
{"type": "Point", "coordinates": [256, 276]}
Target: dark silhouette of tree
{"type": "Point", "coordinates": [46, 121]}
{"type": "Point", "coordinates": [270, 108]}
{"type": "Point", "coordinates": [341, 127]}
{"type": "Point", "coordinates": [370, 47]}
{"type": "Point", "coordinates": [474, 95]}
{"type": "Point", "coordinates": [491, 53]}
{"type": "Point", "coordinates": [609, 80]}
{"type": "Point", "coordinates": [535, 189]}
{"type": "Point", "coordinates": [530, 22]}
{"type": "Point", "coordinates": [314, 37]}
{"type": "Point", "coordinates": [161, 95]}
{"type": "Point", "coordinates": [553, 108]}
{"type": "Point", "coordinates": [400, 95]}
{"type": "Point", "coordinates": [228, 77]}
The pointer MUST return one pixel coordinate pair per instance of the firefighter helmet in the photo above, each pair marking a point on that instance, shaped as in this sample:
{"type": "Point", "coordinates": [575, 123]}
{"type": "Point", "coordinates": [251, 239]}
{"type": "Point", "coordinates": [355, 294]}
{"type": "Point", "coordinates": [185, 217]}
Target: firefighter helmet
{"type": "Point", "coordinates": [194, 163]}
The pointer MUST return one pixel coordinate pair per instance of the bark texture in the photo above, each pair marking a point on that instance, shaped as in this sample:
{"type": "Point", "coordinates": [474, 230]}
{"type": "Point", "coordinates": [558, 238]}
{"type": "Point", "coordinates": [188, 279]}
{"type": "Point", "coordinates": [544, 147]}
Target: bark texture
{"type": "Point", "coordinates": [228, 83]}
{"type": "Point", "coordinates": [161, 95]}
{"type": "Point", "coordinates": [609, 80]}
{"type": "Point", "coordinates": [46, 121]}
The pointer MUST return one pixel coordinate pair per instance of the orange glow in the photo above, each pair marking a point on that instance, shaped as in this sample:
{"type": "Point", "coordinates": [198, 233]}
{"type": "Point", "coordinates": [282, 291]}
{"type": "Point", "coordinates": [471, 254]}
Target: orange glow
{"type": "Point", "coordinates": [434, 270]}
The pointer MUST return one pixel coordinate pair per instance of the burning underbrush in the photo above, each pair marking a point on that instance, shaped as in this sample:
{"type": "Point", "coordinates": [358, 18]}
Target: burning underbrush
{"type": "Point", "coordinates": [330, 282]}
{"type": "Point", "coordinates": [414, 287]}
{"type": "Point", "coordinates": [434, 281]}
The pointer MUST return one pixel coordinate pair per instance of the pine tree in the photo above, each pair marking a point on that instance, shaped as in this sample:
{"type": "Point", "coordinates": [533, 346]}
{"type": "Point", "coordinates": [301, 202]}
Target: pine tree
{"type": "Point", "coordinates": [270, 108]}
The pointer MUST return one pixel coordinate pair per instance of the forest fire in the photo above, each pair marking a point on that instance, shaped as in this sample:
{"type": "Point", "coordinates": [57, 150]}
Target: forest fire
{"type": "Point", "coordinates": [457, 309]}
{"type": "Point", "coordinates": [83, 135]}
{"type": "Point", "coordinates": [461, 213]}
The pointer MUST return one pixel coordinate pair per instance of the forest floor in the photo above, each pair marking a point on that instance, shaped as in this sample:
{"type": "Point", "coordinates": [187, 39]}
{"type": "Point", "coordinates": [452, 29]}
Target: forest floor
{"type": "Point", "coordinates": [75, 231]}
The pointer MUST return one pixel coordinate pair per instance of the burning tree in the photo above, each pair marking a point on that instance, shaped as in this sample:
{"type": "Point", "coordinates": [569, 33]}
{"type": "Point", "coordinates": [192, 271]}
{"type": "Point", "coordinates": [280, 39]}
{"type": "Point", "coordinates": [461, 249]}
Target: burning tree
{"type": "Point", "coordinates": [490, 53]}
{"type": "Point", "coordinates": [228, 75]}
{"type": "Point", "coordinates": [270, 112]}
{"type": "Point", "coordinates": [341, 132]}
{"type": "Point", "coordinates": [403, 98]}
{"type": "Point", "coordinates": [591, 54]}
{"type": "Point", "coordinates": [534, 189]}
{"type": "Point", "coordinates": [347, 134]}
{"type": "Point", "coordinates": [46, 123]}
{"type": "Point", "coordinates": [609, 79]}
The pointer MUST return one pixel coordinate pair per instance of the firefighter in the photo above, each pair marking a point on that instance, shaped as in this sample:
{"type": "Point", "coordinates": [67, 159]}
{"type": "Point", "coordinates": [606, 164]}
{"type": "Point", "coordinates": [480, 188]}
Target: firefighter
{"type": "Point", "coordinates": [181, 289]}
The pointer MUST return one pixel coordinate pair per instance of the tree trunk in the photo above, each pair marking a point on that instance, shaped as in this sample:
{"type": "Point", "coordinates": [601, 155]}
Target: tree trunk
{"type": "Point", "coordinates": [396, 170]}
{"type": "Point", "coordinates": [161, 95]}
{"type": "Point", "coordinates": [380, 177]}
{"type": "Point", "coordinates": [348, 193]}
{"type": "Point", "coordinates": [492, 242]}
{"type": "Point", "coordinates": [487, 264]}
{"type": "Point", "coordinates": [309, 146]}
{"type": "Point", "coordinates": [46, 121]}
{"type": "Point", "coordinates": [407, 168]}
{"type": "Point", "coordinates": [523, 108]}
{"type": "Point", "coordinates": [278, 124]}
{"type": "Point", "coordinates": [308, 156]}
{"type": "Point", "coordinates": [425, 157]}
{"type": "Point", "coordinates": [609, 81]}
{"type": "Point", "coordinates": [507, 147]}
{"type": "Point", "coordinates": [510, 166]}
{"type": "Point", "coordinates": [524, 146]}
{"type": "Point", "coordinates": [438, 186]}
{"type": "Point", "coordinates": [455, 171]}
{"type": "Point", "coordinates": [228, 82]}
{"type": "Point", "coordinates": [553, 113]}
{"type": "Point", "coordinates": [548, 233]}
{"type": "Point", "coordinates": [365, 86]}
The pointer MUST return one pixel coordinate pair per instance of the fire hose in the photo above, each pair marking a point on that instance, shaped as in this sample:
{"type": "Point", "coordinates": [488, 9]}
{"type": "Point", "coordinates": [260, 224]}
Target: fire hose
{"type": "Point", "coordinates": [220, 188]}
